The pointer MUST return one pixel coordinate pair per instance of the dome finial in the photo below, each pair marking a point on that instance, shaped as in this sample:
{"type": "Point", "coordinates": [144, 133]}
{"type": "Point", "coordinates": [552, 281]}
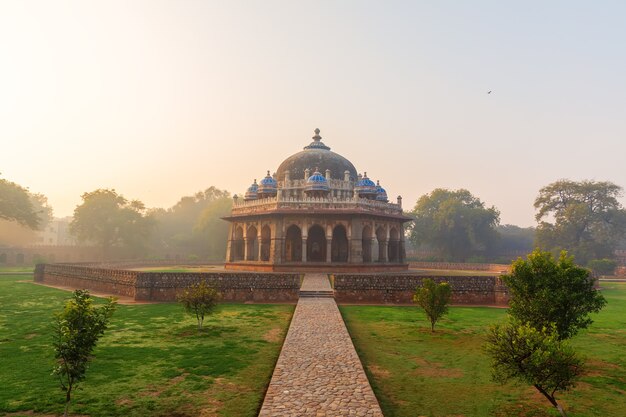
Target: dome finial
{"type": "Point", "coordinates": [317, 142]}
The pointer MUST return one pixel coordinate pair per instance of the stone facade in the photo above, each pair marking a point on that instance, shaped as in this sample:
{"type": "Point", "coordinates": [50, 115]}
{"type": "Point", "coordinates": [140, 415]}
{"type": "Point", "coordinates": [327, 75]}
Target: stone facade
{"type": "Point", "coordinates": [327, 218]}
{"type": "Point", "coordinates": [399, 289]}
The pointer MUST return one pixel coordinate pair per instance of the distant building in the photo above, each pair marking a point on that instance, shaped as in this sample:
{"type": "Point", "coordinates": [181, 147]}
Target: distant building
{"type": "Point", "coordinates": [316, 213]}
{"type": "Point", "coordinates": [56, 233]}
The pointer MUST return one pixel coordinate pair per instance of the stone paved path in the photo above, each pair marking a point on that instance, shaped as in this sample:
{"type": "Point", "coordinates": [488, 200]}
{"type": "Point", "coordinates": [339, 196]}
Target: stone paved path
{"type": "Point", "coordinates": [318, 372]}
{"type": "Point", "coordinates": [315, 282]}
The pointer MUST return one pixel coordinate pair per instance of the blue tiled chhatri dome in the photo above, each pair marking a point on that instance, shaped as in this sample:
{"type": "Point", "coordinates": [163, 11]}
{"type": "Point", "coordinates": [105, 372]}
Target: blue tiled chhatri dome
{"type": "Point", "coordinates": [252, 192]}
{"type": "Point", "coordinates": [316, 213]}
{"type": "Point", "coordinates": [268, 187]}
{"type": "Point", "coordinates": [316, 183]}
{"type": "Point", "coordinates": [381, 194]}
{"type": "Point", "coordinates": [365, 187]}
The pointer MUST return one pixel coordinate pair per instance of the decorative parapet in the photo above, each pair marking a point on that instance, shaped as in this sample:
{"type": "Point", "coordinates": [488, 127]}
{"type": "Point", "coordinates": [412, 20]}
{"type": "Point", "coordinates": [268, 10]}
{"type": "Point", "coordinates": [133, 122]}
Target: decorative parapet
{"type": "Point", "coordinates": [312, 203]}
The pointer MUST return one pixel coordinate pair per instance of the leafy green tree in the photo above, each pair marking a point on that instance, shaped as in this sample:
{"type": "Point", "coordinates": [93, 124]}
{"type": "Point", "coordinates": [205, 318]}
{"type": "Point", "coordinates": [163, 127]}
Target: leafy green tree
{"type": "Point", "coordinates": [14, 233]}
{"type": "Point", "coordinates": [544, 291]}
{"type": "Point", "coordinates": [110, 221]}
{"type": "Point", "coordinates": [434, 299]}
{"type": "Point", "coordinates": [587, 218]}
{"type": "Point", "coordinates": [76, 332]}
{"type": "Point", "coordinates": [213, 228]}
{"type": "Point", "coordinates": [194, 225]}
{"type": "Point", "coordinates": [199, 300]}
{"type": "Point", "coordinates": [455, 223]}
{"type": "Point", "coordinates": [535, 356]}
{"type": "Point", "coordinates": [16, 204]}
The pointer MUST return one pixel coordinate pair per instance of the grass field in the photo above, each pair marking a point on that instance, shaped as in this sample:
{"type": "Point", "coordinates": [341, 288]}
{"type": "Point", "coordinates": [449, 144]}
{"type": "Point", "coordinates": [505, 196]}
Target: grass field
{"type": "Point", "coordinates": [416, 373]}
{"type": "Point", "coordinates": [151, 361]}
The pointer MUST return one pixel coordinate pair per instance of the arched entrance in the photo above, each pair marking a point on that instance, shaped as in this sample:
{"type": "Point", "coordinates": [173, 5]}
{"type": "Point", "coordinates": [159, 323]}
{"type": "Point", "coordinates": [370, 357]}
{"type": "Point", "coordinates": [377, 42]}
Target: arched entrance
{"type": "Point", "coordinates": [393, 252]}
{"type": "Point", "coordinates": [293, 244]}
{"type": "Point", "coordinates": [316, 244]}
{"type": "Point", "coordinates": [237, 245]}
{"type": "Point", "coordinates": [266, 239]}
{"type": "Point", "coordinates": [252, 244]}
{"type": "Point", "coordinates": [339, 245]}
{"type": "Point", "coordinates": [381, 237]}
{"type": "Point", "coordinates": [366, 243]}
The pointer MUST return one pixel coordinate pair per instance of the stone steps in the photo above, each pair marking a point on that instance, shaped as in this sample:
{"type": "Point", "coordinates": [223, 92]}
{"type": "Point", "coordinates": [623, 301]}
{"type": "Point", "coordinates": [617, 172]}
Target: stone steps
{"type": "Point", "coordinates": [317, 294]}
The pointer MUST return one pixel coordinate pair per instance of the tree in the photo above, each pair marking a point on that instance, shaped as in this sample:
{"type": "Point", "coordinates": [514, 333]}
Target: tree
{"type": "Point", "coordinates": [602, 266]}
{"type": "Point", "coordinates": [545, 292]}
{"type": "Point", "coordinates": [199, 300]}
{"type": "Point", "coordinates": [111, 221]}
{"type": "Point", "coordinates": [18, 234]}
{"type": "Point", "coordinates": [535, 356]}
{"type": "Point", "coordinates": [588, 220]}
{"type": "Point", "coordinates": [16, 205]}
{"type": "Point", "coordinates": [194, 225]}
{"type": "Point", "coordinates": [454, 222]}
{"type": "Point", "coordinates": [434, 299]}
{"type": "Point", "coordinates": [213, 228]}
{"type": "Point", "coordinates": [76, 332]}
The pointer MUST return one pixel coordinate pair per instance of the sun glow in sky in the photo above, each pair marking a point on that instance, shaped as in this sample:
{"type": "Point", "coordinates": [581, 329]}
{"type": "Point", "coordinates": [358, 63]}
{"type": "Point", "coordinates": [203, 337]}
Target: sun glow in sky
{"type": "Point", "coordinates": [160, 99]}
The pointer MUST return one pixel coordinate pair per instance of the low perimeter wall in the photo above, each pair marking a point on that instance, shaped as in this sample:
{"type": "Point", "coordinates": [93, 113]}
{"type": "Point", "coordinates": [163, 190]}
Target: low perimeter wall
{"type": "Point", "coordinates": [163, 286]}
{"type": "Point", "coordinates": [399, 289]}
{"type": "Point", "coordinates": [461, 266]}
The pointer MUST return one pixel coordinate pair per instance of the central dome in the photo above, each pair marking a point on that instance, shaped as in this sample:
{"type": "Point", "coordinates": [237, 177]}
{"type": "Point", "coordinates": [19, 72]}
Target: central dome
{"type": "Point", "coordinates": [316, 156]}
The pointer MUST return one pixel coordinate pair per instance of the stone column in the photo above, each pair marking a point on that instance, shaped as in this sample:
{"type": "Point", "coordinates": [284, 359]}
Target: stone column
{"type": "Point", "coordinates": [229, 250]}
{"type": "Point", "coordinates": [304, 249]}
{"type": "Point", "coordinates": [245, 242]}
{"type": "Point", "coordinates": [260, 243]}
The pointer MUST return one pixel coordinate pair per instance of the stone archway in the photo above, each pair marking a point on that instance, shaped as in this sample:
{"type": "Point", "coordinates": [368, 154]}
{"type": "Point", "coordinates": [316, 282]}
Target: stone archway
{"type": "Point", "coordinates": [238, 244]}
{"type": "Point", "coordinates": [381, 237]}
{"type": "Point", "coordinates": [293, 244]}
{"type": "Point", "coordinates": [266, 239]}
{"type": "Point", "coordinates": [316, 244]}
{"type": "Point", "coordinates": [339, 244]}
{"type": "Point", "coordinates": [252, 244]}
{"type": "Point", "coordinates": [366, 243]}
{"type": "Point", "coordinates": [393, 250]}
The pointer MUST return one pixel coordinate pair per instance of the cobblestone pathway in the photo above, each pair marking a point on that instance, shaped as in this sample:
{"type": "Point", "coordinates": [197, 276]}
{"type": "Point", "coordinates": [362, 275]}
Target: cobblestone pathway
{"type": "Point", "coordinates": [318, 372]}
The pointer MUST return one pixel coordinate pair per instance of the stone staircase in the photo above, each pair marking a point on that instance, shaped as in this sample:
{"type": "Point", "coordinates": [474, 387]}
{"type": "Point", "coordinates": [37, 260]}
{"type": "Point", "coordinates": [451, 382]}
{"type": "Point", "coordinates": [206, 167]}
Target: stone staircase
{"type": "Point", "coordinates": [317, 294]}
{"type": "Point", "coordinates": [316, 286]}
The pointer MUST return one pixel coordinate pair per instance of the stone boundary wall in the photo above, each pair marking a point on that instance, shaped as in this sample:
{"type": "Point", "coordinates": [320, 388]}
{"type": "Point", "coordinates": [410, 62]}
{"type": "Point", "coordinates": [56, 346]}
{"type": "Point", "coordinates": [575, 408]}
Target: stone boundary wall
{"type": "Point", "coordinates": [399, 289]}
{"type": "Point", "coordinates": [163, 286]}
{"type": "Point", "coordinates": [111, 281]}
{"type": "Point", "coordinates": [460, 266]}
{"type": "Point", "coordinates": [242, 287]}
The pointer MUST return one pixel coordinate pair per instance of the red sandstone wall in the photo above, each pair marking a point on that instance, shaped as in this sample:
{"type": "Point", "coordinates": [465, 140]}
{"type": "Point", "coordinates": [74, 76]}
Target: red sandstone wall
{"type": "Point", "coordinates": [399, 289]}
{"type": "Point", "coordinates": [460, 266]}
{"type": "Point", "coordinates": [110, 281]}
{"type": "Point", "coordinates": [163, 286]}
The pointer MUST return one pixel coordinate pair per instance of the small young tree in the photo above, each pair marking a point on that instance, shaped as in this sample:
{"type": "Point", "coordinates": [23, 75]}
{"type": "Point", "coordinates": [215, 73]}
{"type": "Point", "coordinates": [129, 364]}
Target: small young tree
{"type": "Point", "coordinates": [544, 291]}
{"type": "Point", "coordinates": [199, 300]}
{"type": "Point", "coordinates": [76, 332]}
{"type": "Point", "coordinates": [434, 299]}
{"type": "Point", "coordinates": [537, 357]}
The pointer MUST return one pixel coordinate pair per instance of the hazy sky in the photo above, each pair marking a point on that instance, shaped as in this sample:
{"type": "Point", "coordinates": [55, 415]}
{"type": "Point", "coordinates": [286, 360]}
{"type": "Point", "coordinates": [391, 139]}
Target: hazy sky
{"type": "Point", "coordinates": [160, 99]}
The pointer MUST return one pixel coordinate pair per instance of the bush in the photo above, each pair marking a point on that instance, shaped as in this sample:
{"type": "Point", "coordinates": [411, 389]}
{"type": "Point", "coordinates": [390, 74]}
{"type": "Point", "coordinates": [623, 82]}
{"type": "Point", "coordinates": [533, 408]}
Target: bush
{"type": "Point", "coordinates": [602, 266]}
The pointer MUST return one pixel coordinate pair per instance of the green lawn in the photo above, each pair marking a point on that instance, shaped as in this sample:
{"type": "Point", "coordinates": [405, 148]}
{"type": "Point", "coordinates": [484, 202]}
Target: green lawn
{"type": "Point", "coordinates": [8, 269]}
{"type": "Point", "coordinates": [416, 373]}
{"type": "Point", "coordinates": [151, 361]}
